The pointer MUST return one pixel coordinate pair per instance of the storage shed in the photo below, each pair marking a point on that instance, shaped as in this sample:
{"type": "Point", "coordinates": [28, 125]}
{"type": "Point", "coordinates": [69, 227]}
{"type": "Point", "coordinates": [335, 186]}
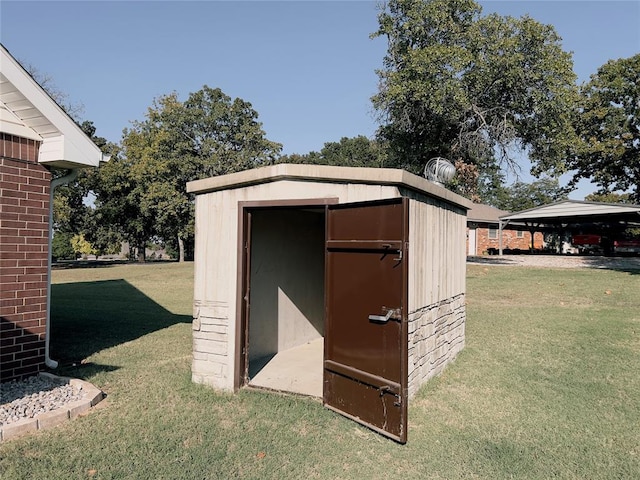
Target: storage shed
{"type": "Point", "coordinates": [345, 283]}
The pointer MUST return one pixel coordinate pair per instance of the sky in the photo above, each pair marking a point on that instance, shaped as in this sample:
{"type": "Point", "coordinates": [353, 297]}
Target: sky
{"type": "Point", "coordinates": [307, 67]}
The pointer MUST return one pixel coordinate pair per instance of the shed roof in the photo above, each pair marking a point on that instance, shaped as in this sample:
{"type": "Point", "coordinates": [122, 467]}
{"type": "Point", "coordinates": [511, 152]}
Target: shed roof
{"type": "Point", "coordinates": [574, 211]}
{"type": "Point", "coordinates": [326, 173]}
{"type": "Point", "coordinates": [485, 213]}
{"type": "Point", "coordinates": [26, 110]}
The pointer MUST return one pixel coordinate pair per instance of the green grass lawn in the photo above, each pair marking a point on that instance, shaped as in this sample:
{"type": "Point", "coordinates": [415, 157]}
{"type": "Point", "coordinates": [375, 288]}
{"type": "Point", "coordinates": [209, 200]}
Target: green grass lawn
{"type": "Point", "coordinates": [548, 386]}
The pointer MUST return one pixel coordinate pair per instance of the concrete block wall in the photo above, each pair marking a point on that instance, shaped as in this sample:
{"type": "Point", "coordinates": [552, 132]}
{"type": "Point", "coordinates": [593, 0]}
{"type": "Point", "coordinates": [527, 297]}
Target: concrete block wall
{"type": "Point", "coordinates": [210, 343]}
{"type": "Point", "coordinates": [24, 255]}
{"type": "Point", "coordinates": [436, 335]}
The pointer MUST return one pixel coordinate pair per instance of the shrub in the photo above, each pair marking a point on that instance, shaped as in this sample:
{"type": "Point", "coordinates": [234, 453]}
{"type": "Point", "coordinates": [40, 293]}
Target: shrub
{"type": "Point", "coordinates": [61, 246]}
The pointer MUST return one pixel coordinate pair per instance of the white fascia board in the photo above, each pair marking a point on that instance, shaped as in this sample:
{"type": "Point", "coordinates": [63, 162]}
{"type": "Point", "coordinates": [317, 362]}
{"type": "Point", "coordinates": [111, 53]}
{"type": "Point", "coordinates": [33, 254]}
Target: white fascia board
{"type": "Point", "coordinates": [73, 147]}
{"type": "Point", "coordinates": [50, 149]}
{"type": "Point", "coordinates": [50, 154]}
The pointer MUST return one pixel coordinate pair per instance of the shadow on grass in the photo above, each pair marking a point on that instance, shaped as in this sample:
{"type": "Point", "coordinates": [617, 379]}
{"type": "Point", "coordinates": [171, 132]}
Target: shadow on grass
{"type": "Point", "coordinates": [491, 260]}
{"type": "Point", "coordinates": [73, 264]}
{"type": "Point", "coordinates": [78, 264]}
{"type": "Point", "coordinates": [83, 370]}
{"type": "Point", "coordinates": [88, 317]}
{"type": "Point", "coordinates": [630, 265]}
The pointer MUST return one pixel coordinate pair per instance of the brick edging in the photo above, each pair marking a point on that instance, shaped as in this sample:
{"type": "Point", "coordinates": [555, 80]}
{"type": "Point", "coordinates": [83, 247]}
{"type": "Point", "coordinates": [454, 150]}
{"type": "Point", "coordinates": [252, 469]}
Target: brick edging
{"type": "Point", "coordinates": [91, 396]}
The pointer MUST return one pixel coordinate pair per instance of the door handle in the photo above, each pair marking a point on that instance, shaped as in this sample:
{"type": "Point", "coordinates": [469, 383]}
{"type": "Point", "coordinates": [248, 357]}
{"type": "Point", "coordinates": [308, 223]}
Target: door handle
{"type": "Point", "coordinates": [391, 313]}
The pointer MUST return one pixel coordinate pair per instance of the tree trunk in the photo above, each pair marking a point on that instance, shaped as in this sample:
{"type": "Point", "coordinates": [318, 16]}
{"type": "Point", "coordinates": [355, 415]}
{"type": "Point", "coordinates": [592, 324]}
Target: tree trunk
{"type": "Point", "coordinates": [181, 248]}
{"type": "Point", "coordinates": [141, 252]}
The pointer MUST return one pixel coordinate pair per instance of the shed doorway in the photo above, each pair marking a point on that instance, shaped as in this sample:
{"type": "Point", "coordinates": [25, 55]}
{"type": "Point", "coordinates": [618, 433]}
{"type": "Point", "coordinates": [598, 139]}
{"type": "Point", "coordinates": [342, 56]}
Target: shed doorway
{"type": "Point", "coordinates": [283, 297]}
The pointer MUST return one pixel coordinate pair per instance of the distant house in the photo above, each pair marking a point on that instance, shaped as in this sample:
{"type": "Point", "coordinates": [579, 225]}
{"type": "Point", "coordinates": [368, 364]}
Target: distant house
{"type": "Point", "coordinates": [483, 229]}
{"type": "Point", "coordinates": [36, 138]}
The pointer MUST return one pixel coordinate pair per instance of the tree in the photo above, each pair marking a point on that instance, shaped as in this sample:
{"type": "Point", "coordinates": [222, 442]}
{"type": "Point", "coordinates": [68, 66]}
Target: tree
{"type": "Point", "coordinates": [71, 212]}
{"type": "Point", "coordinates": [81, 246]}
{"type": "Point", "coordinates": [522, 196]}
{"type": "Point", "coordinates": [491, 188]}
{"type": "Point", "coordinates": [72, 194]}
{"type": "Point", "coordinates": [609, 197]}
{"type": "Point", "coordinates": [608, 125]}
{"type": "Point", "coordinates": [71, 216]}
{"type": "Point", "coordinates": [118, 215]}
{"type": "Point", "coordinates": [477, 90]}
{"type": "Point", "coordinates": [61, 246]}
{"type": "Point", "coordinates": [209, 134]}
{"type": "Point", "coordinates": [47, 83]}
{"type": "Point", "coordinates": [357, 151]}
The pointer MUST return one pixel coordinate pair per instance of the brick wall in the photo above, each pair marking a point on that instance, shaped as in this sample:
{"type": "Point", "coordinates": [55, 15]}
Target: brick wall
{"type": "Point", "coordinates": [510, 239]}
{"type": "Point", "coordinates": [24, 230]}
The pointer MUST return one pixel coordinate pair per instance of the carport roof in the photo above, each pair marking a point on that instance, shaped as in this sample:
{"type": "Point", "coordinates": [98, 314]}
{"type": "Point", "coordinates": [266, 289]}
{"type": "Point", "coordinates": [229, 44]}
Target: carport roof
{"type": "Point", "coordinates": [574, 211]}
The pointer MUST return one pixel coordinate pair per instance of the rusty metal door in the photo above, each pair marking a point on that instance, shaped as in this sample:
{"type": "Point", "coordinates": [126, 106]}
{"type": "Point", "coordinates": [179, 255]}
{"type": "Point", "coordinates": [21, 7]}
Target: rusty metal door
{"type": "Point", "coordinates": [365, 361]}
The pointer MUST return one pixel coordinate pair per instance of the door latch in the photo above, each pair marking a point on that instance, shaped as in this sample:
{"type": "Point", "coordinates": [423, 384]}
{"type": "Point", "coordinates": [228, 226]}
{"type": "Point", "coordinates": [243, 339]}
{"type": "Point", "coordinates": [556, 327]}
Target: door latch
{"type": "Point", "coordinates": [394, 313]}
{"type": "Point", "coordinates": [387, 389]}
{"type": "Point", "coordinates": [388, 246]}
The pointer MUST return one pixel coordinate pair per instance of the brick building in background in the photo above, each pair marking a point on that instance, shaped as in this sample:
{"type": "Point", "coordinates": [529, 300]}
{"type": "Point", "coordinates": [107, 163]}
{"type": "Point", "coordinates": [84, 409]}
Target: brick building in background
{"type": "Point", "coordinates": [36, 138]}
{"type": "Point", "coordinates": [483, 232]}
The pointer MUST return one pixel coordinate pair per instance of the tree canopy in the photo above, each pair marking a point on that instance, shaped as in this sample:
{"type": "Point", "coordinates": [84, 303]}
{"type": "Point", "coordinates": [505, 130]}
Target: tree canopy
{"type": "Point", "coordinates": [522, 196]}
{"type": "Point", "coordinates": [608, 125]}
{"type": "Point", "coordinates": [479, 90]}
{"type": "Point", "coordinates": [609, 197]}
{"type": "Point", "coordinates": [142, 190]}
{"type": "Point", "coordinates": [483, 91]}
{"type": "Point", "coordinates": [357, 151]}
{"type": "Point", "coordinates": [72, 215]}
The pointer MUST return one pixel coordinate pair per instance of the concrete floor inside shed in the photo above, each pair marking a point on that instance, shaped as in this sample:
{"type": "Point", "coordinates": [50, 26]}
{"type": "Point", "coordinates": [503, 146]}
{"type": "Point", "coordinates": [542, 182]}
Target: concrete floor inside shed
{"type": "Point", "coordinates": [297, 369]}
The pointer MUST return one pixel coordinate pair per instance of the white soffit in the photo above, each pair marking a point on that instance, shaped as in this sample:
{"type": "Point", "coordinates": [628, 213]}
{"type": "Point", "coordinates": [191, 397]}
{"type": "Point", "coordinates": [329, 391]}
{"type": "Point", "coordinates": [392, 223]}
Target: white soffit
{"type": "Point", "coordinates": [572, 209]}
{"type": "Point", "coordinates": [64, 144]}
{"type": "Point", "coordinates": [14, 126]}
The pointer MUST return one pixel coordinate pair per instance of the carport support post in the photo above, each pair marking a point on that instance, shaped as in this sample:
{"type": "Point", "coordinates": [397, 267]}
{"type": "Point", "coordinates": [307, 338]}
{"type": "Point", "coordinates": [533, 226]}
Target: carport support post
{"type": "Point", "coordinates": [532, 231]}
{"type": "Point", "coordinates": [500, 237]}
{"type": "Point", "coordinates": [533, 243]}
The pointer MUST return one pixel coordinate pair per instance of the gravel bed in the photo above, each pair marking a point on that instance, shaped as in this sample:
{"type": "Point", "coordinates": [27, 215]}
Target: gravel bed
{"type": "Point", "coordinates": [33, 396]}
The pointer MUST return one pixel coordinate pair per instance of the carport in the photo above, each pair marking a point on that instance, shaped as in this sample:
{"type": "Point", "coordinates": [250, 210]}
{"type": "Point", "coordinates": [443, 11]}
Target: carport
{"type": "Point", "coordinates": [608, 217]}
{"type": "Point", "coordinates": [344, 283]}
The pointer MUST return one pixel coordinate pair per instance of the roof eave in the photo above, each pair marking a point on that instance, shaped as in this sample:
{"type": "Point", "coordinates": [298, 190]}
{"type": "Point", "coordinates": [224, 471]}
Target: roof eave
{"type": "Point", "coordinates": [326, 173]}
{"type": "Point", "coordinates": [65, 142]}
